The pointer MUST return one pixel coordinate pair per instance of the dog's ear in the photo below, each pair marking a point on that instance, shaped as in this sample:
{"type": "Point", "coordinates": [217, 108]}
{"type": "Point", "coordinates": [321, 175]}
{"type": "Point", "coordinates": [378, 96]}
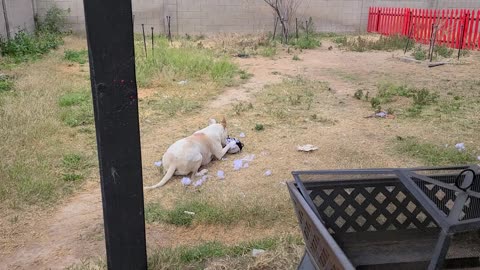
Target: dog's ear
{"type": "Point", "coordinates": [212, 121]}
{"type": "Point", "coordinates": [224, 122]}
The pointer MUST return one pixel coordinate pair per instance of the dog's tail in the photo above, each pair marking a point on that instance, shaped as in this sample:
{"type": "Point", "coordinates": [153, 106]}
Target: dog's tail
{"type": "Point", "coordinates": [166, 177]}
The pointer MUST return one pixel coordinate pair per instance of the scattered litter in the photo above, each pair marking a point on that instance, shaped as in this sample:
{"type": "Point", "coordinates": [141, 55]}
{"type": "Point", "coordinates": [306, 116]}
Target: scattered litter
{"type": "Point", "coordinates": [205, 178]}
{"type": "Point", "coordinates": [221, 175]}
{"type": "Point", "coordinates": [460, 146]}
{"type": "Point", "coordinates": [198, 183]}
{"type": "Point", "coordinates": [186, 181]}
{"type": "Point", "coordinates": [257, 252]}
{"type": "Point", "coordinates": [478, 158]}
{"type": "Point", "coordinates": [245, 165]}
{"type": "Point", "coordinates": [268, 173]}
{"type": "Point", "coordinates": [249, 158]}
{"type": "Point", "coordinates": [242, 135]}
{"type": "Point", "coordinates": [182, 82]}
{"type": "Point", "coordinates": [224, 158]}
{"type": "Point", "coordinates": [189, 213]}
{"type": "Point", "coordinates": [307, 148]}
{"type": "Point", "coordinates": [237, 164]}
{"type": "Point", "coordinates": [381, 114]}
{"type": "Point", "coordinates": [158, 163]}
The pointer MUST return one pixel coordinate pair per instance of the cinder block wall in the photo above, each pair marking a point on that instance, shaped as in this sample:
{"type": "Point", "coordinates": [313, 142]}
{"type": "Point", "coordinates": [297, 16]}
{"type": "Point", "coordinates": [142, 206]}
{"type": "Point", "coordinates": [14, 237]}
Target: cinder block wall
{"type": "Point", "coordinates": [19, 14]}
{"type": "Point", "coordinates": [230, 16]}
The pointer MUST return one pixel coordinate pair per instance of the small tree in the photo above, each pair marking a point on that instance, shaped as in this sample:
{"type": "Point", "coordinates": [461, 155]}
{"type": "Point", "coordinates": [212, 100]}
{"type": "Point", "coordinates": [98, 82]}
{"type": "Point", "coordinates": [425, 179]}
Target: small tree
{"type": "Point", "coordinates": [285, 10]}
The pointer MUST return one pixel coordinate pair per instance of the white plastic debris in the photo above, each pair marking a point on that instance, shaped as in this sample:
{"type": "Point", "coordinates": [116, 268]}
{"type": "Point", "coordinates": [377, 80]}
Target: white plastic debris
{"type": "Point", "coordinates": [183, 82]}
{"type": "Point", "coordinates": [245, 165]}
{"type": "Point", "coordinates": [242, 135]}
{"type": "Point", "coordinates": [224, 158]}
{"type": "Point", "coordinates": [249, 158]}
{"type": "Point", "coordinates": [186, 181]}
{"type": "Point", "coordinates": [257, 252]}
{"type": "Point", "coordinates": [221, 175]}
{"type": "Point", "coordinates": [158, 163]}
{"type": "Point", "coordinates": [198, 183]}
{"type": "Point", "coordinates": [307, 148]}
{"type": "Point", "coordinates": [381, 114]}
{"type": "Point", "coordinates": [268, 173]}
{"type": "Point", "coordinates": [237, 164]}
{"type": "Point", "coordinates": [460, 146]}
{"type": "Point", "coordinates": [204, 178]}
{"type": "Point", "coordinates": [478, 158]}
{"type": "Point", "coordinates": [189, 213]}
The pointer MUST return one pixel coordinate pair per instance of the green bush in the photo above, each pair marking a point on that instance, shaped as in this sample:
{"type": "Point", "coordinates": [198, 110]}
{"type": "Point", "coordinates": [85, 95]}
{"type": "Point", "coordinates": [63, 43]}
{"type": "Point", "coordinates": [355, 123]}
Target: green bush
{"type": "Point", "coordinates": [47, 36]}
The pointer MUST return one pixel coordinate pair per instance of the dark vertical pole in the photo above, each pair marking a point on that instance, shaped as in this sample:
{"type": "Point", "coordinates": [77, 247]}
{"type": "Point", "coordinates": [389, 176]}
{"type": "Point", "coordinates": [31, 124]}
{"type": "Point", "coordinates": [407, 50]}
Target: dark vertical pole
{"type": "Point", "coordinates": [114, 90]}
{"type": "Point", "coordinates": [296, 28]}
{"type": "Point", "coordinates": [409, 38]}
{"type": "Point", "coordinates": [306, 28]}
{"type": "Point", "coordinates": [169, 29]}
{"type": "Point", "coordinates": [430, 50]}
{"type": "Point", "coordinates": [144, 40]}
{"type": "Point", "coordinates": [153, 44]}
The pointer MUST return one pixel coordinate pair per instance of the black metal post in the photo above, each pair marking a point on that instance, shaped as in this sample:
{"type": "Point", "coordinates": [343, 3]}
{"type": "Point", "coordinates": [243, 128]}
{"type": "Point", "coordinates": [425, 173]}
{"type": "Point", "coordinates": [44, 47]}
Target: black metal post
{"type": "Point", "coordinates": [296, 28]}
{"type": "Point", "coordinates": [144, 40]}
{"type": "Point", "coordinates": [114, 90]}
{"type": "Point", "coordinates": [169, 28]}
{"type": "Point", "coordinates": [409, 37]}
{"type": "Point", "coordinates": [153, 44]}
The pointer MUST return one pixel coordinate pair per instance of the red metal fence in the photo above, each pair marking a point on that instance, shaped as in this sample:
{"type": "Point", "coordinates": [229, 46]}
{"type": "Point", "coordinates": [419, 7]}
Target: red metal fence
{"type": "Point", "coordinates": [456, 28]}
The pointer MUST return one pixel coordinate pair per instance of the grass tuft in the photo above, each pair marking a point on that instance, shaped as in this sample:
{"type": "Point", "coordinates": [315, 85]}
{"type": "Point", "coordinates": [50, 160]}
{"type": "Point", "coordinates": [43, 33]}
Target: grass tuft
{"type": "Point", "coordinates": [76, 56]}
{"type": "Point", "coordinates": [431, 154]}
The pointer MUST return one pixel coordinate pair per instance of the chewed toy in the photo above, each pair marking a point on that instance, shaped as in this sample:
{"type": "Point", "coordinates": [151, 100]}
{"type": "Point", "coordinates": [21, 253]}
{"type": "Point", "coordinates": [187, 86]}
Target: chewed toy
{"type": "Point", "coordinates": [237, 148]}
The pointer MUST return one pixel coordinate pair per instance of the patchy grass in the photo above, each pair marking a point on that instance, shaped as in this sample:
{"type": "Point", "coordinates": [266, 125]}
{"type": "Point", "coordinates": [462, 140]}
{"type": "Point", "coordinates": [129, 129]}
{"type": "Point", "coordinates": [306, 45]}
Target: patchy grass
{"type": "Point", "coordinates": [290, 99]}
{"type": "Point", "coordinates": [296, 58]}
{"type": "Point", "coordinates": [76, 56]}
{"type": "Point", "coordinates": [239, 108]}
{"type": "Point", "coordinates": [35, 168]}
{"type": "Point", "coordinates": [183, 62]}
{"type": "Point", "coordinates": [364, 44]}
{"type": "Point", "coordinates": [305, 42]}
{"type": "Point", "coordinates": [208, 213]}
{"type": "Point", "coordinates": [6, 83]}
{"type": "Point", "coordinates": [432, 154]}
{"type": "Point", "coordinates": [269, 51]}
{"type": "Point", "coordinates": [77, 108]}
{"type": "Point", "coordinates": [244, 75]}
{"type": "Point", "coordinates": [419, 53]}
{"type": "Point", "coordinates": [280, 253]}
{"type": "Point", "coordinates": [177, 105]}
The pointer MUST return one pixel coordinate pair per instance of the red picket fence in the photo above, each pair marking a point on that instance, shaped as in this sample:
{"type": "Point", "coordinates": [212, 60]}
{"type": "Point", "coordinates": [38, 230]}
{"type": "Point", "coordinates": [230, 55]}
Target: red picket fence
{"type": "Point", "coordinates": [455, 28]}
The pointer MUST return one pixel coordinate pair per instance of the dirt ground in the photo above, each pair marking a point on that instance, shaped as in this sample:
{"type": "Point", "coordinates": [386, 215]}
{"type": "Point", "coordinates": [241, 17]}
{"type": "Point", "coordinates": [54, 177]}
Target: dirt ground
{"type": "Point", "coordinates": [72, 231]}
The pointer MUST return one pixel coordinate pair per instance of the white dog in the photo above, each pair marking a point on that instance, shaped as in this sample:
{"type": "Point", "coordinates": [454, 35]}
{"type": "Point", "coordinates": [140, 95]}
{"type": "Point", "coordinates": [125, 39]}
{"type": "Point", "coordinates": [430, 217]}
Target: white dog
{"type": "Point", "coordinates": [187, 155]}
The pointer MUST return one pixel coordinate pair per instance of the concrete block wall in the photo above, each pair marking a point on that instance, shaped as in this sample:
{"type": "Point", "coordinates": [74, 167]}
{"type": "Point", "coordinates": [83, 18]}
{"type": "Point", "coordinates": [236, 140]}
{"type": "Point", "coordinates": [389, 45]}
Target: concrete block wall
{"type": "Point", "coordinates": [19, 14]}
{"type": "Point", "coordinates": [228, 16]}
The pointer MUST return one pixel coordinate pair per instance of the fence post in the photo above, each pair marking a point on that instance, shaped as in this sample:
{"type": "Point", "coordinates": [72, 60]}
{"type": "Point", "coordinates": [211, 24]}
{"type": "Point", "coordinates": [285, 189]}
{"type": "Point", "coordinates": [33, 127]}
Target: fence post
{"type": "Point", "coordinates": [5, 16]}
{"type": "Point", "coordinates": [115, 102]}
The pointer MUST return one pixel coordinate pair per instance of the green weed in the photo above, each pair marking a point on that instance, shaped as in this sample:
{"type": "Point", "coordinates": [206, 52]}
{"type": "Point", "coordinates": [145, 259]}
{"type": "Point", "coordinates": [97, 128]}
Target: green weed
{"type": "Point", "coordinates": [296, 58]}
{"type": "Point", "coordinates": [432, 154]}
{"type": "Point", "coordinates": [77, 108]}
{"type": "Point", "coordinates": [270, 51]}
{"type": "Point", "coordinates": [6, 84]}
{"type": "Point", "coordinates": [361, 44]}
{"type": "Point", "coordinates": [259, 127]}
{"type": "Point", "coordinates": [419, 53]}
{"type": "Point", "coordinates": [76, 56]}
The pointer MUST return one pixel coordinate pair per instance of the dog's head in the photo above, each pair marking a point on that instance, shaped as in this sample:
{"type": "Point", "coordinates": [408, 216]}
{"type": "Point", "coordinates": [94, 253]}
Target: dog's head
{"type": "Point", "coordinates": [222, 128]}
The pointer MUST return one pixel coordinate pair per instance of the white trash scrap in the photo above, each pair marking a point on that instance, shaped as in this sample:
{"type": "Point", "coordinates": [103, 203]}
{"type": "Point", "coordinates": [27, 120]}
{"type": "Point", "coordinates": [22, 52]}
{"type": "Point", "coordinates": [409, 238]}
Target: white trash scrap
{"type": "Point", "coordinates": [307, 148]}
